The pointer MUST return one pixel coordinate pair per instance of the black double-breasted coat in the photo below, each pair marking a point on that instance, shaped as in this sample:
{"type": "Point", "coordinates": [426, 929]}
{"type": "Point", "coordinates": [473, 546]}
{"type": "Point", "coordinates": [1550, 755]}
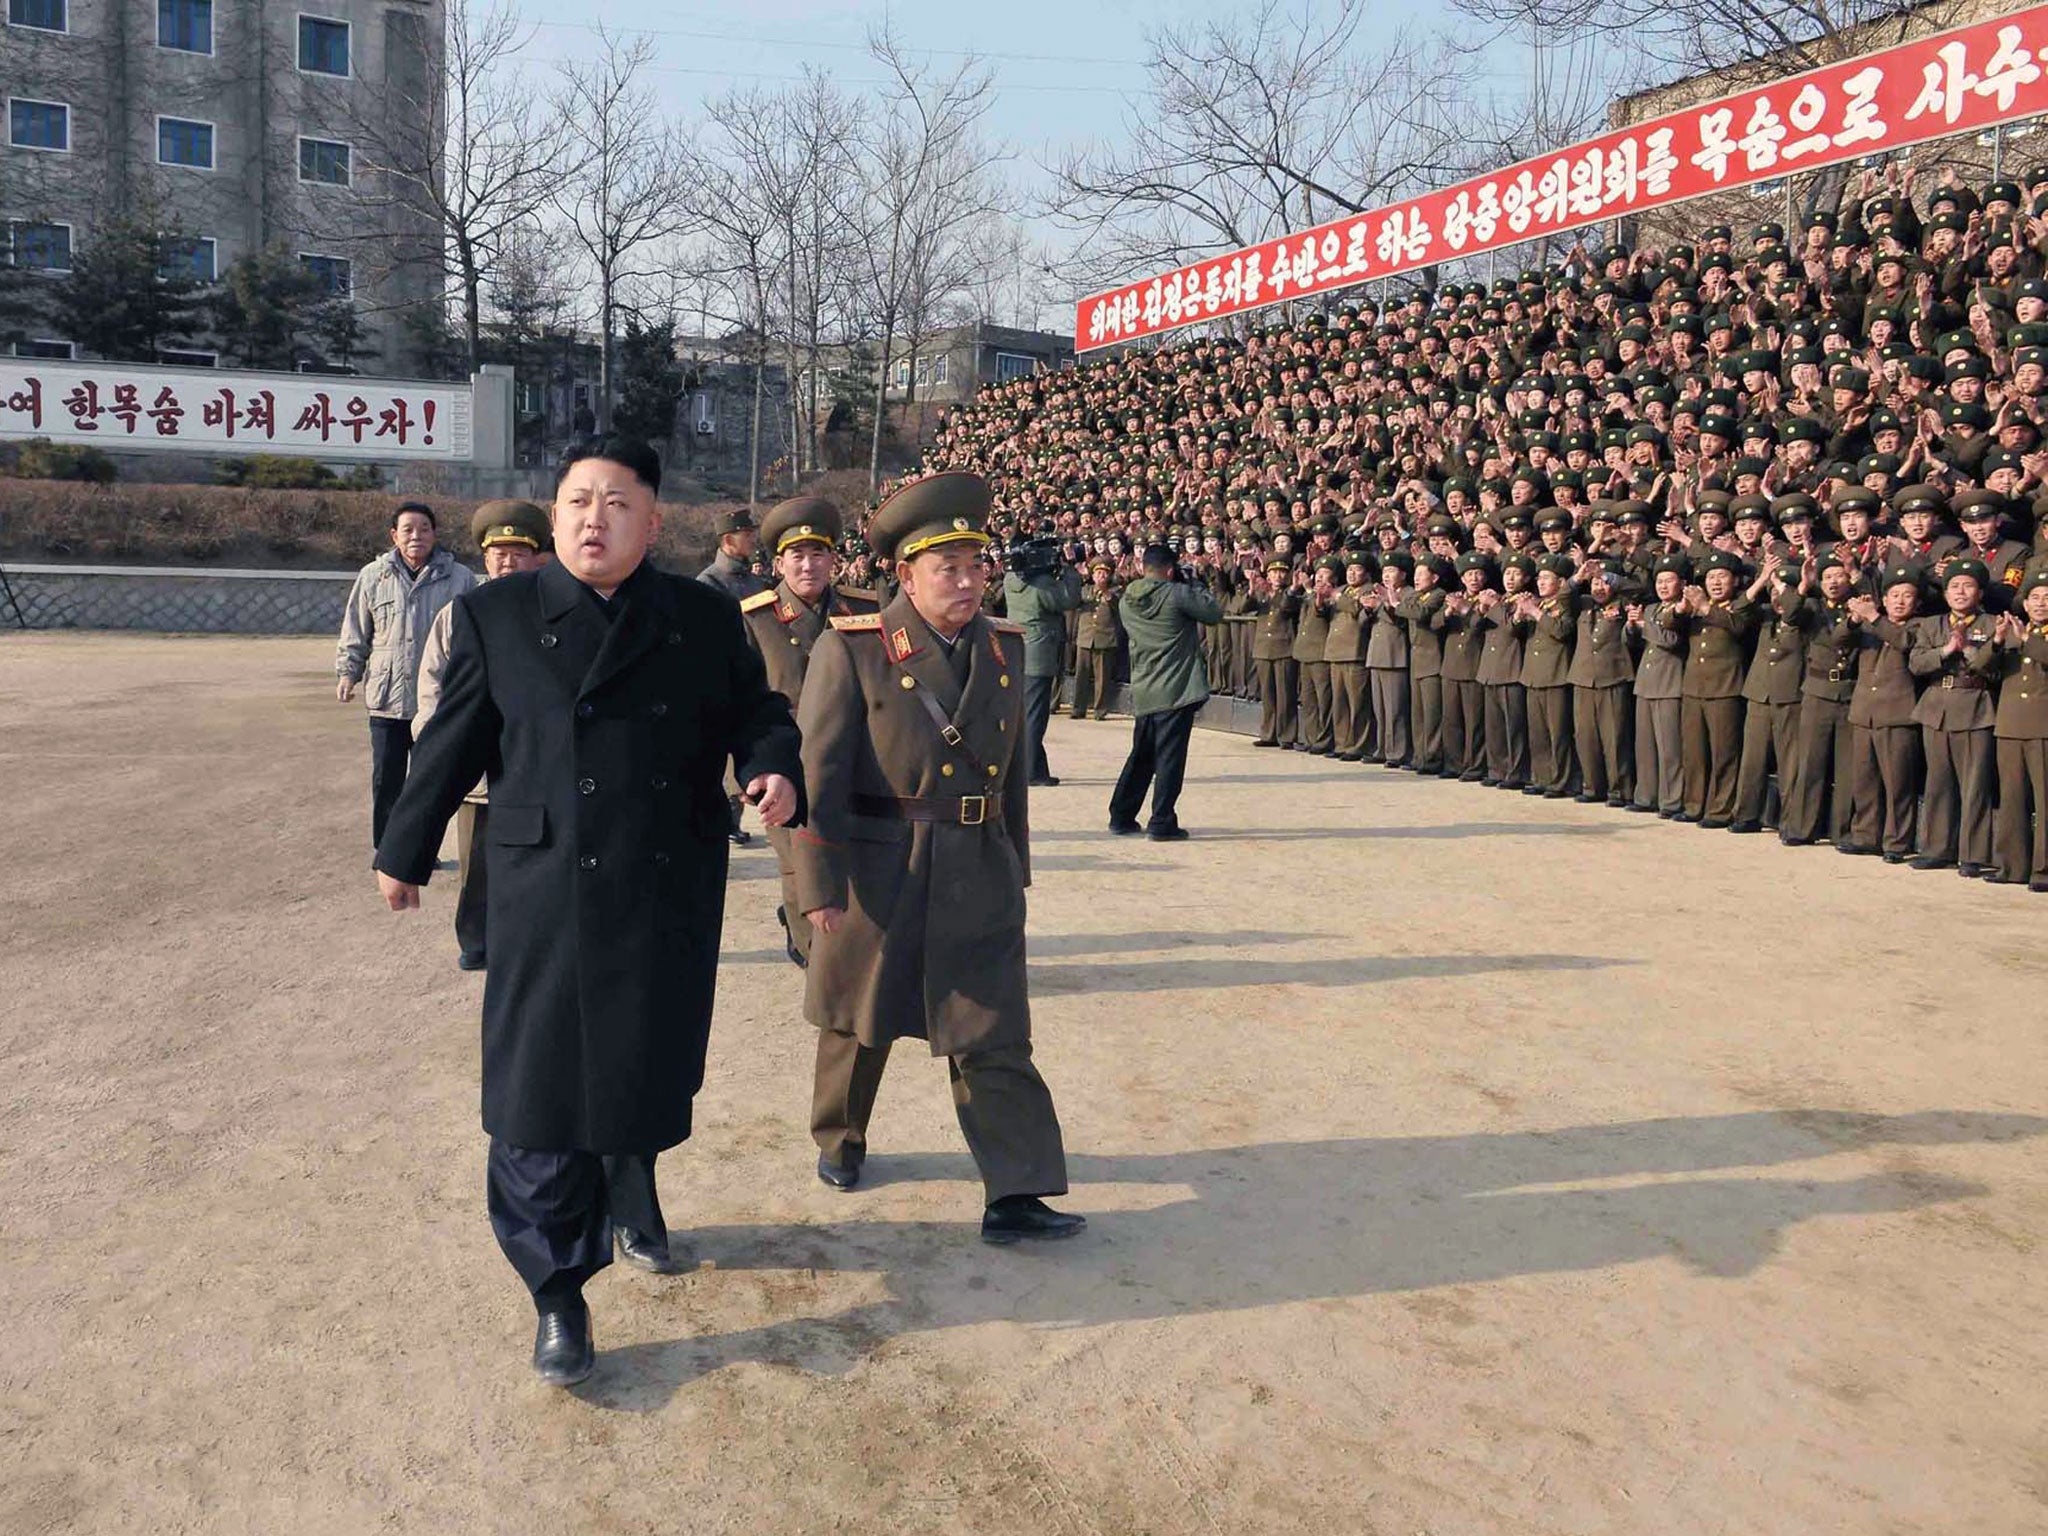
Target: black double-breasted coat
{"type": "Point", "coordinates": [605, 734]}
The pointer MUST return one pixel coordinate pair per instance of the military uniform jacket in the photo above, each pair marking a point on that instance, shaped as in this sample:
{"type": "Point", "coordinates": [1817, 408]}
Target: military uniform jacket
{"type": "Point", "coordinates": [1312, 630]}
{"type": "Point", "coordinates": [783, 628]}
{"type": "Point", "coordinates": [1099, 628]}
{"type": "Point", "coordinates": [1884, 682]}
{"type": "Point", "coordinates": [1713, 649]}
{"type": "Point", "coordinates": [2022, 675]}
{"type": "Point", "coordinates": [1386, 642]}
{"type": "Point", "coordinates": [1348, 626]}
{"type": "Point", "coordinates": [1274, 638]}
{"type": "Point", "coordinates": [1956, 695]}
{"type": "Point", "coordinates": [607, 746]}
{"type": "Point", "coordinates": [1500, 655]}
{"type": "Point", "coordinates": [1423, 614]}
{"type": "Point", "coordinates": [1601, 658]}
{"type": "Point", "coordinates": [2007, 563]}
{"type": "Point", "coordinates": [1660, 674]}
{"type": "Point", "coordinates": [1831, 649]}
{"type": "Point", "coordinates": [1547, 656]}
{"type": "Point", "coordinates": [1463, 641]}
{"type": "Point", "coordinates": [1777, 668]}
{"type": "Point", "coordinates": [932, 946]}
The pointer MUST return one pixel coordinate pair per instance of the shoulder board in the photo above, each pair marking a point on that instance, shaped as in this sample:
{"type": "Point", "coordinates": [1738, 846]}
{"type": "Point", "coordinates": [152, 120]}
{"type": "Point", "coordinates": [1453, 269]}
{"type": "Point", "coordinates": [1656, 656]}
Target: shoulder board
{"type": "Point", "coordinates": [857, 623]}
{"type": "Point", "coordinates": [859, 595]}
{"type": "Point", "coordinates": [758, 600]}
{"type": "Point", "coordinates": [1006, 626]}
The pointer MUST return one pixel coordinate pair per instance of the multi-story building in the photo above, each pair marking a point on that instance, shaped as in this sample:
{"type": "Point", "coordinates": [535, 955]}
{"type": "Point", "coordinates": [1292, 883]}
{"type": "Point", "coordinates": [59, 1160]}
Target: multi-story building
{"type": "Point", "coordinates": [237, 124]}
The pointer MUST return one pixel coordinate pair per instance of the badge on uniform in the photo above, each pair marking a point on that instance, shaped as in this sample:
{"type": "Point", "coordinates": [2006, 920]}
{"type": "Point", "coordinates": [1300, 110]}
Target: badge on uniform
{"type": "Point", "coordinates": [899, 642]}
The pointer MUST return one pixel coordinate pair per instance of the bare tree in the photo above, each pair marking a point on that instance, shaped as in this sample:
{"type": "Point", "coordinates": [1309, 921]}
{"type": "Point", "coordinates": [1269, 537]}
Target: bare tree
{"type": "Point", "coordinates": [740, 259]}
{"type": "Point", "coordinates": [630, 191]}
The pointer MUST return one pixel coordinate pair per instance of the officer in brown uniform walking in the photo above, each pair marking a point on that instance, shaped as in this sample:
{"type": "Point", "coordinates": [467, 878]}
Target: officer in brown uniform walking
{"type": "Point", "coordinates": [784, 623]}
{"type": "Point", "coordinates": [916, 856]}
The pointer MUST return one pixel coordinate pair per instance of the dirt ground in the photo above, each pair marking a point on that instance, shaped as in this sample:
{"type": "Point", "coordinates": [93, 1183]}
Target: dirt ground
{"type": "Point", "coordinates": [1455, 1162]}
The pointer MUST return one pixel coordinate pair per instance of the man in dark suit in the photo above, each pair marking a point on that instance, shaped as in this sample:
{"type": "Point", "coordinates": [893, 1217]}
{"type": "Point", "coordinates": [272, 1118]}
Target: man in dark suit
{"type": "Point", "coordinates": [604, 700]}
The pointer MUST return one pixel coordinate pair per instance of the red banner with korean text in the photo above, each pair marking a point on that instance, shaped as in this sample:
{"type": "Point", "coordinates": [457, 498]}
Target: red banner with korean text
{"type": "Point", "coordinates": [204, 410]}
{"type": "Point", "coordinates": [1948, 83]}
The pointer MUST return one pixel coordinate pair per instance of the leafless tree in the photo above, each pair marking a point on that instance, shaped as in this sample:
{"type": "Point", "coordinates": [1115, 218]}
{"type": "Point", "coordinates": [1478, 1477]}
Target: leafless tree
{"type": "Point", "coordinates": [739, 258]}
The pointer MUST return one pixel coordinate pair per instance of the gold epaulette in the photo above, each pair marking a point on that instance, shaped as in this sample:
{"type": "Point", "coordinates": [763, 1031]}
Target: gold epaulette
{"type": "Point", "coordinates": [857, 623]}
{"type": "Point", "coordinates": [858, 595]}
{"type": "Point", "coordinates": [1006, 626]}
{"type": "Point", "coordinates": [758, 600]}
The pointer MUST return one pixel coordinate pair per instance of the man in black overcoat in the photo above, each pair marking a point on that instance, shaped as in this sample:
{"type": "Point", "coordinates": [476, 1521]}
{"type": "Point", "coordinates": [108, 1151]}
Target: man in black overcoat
{"type": "Point", "coordinates": [604, 700]}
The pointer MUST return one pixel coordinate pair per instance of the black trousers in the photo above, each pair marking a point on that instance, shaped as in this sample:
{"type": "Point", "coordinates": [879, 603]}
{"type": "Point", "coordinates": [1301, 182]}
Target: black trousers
{"type": "Point", "coordinates": [1039, 692]}
{"type": "Point", "coordinates": [1159, 762]}
{"type": "Point", "coordinates": [553, 1213]}
{"type": "Point", "coordinates": [390, 751]}
{"type": "Point", "coordinates": [471, 893]}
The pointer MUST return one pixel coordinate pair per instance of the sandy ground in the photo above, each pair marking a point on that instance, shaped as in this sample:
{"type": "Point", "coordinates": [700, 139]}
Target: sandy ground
{"type": "Point", "coordinates": [1455, 1162]}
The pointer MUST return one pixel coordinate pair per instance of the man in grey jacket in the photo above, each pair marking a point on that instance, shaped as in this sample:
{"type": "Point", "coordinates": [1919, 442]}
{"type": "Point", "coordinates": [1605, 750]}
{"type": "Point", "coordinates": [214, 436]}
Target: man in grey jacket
{"type": "Point", "coordinates": [1163, 616]}
{"type": "Point", "coordinates": [390, 611]}
{"type": "Point", "coordinates": [1040, 600]}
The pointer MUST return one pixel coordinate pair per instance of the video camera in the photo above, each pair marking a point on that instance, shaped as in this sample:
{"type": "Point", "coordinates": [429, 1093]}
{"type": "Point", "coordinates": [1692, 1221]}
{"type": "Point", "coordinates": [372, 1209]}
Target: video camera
{"type": "Point", "coordinates": [1041, 555]}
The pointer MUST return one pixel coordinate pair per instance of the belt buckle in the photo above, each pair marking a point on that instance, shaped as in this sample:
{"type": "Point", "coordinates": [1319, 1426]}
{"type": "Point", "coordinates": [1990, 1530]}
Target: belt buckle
{"type": "Point", "coordinates": [973, 810]}
{"type": "Point", "coordinates": [1949, 681]}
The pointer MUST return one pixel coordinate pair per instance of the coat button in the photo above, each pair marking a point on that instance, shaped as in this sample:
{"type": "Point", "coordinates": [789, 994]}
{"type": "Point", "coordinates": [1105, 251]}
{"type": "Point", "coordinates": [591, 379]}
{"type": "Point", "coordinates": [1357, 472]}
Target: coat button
{"type": "Point", "coordinates": [657, 710]}
{"type": "Point", "coordinates": [659, 782]}
{"type": "Point", "coordinates": [908, 682]}
{"type": "Point", "coordinates": [588, 861]}
{"type": "Point", "coordinates": [549, 640]}
{"type": "Point", "coordinates": [586, 786]}
{"type": "Point", "coordinates": [991, 770]}
{"type": "Point", "coordinates": [1004, 679]}
{"type": "Point", "coordinates": [661, 861]}
{"type": "Point", "coordinates": [674, 638]}
{"type": "Point", "coordinates": [585, 711]}
{"type": "Point", "coordinates": [946, 769]}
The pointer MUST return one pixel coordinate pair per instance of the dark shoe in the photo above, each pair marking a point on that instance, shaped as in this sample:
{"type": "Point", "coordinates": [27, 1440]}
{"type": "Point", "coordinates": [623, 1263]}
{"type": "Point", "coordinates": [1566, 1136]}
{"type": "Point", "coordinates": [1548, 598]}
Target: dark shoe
{"type": "Point", "coordinates": [1167, 834]}
{"type": "Point", "coordinates": [1264, 741]}
{"type": "Point", "coordinates": [1713, 826]}
{"type": "Point", "coordinates": [1895, 858]}
{"type": "Point", "coordinates": [1974, 871]}
{"type": "Point", "coordinates": [1125, 828]}
{"type": "Point", "coordinates": [1347, 757]}
{"type": "Point", "coordinates": [1557, 794]}
{"type": "Point", "coordinates": [470, 960]}
{"type": "Point", "coordinates": [1745, 826]}
{"type": "Point", "coordinates": [1474, 776]}
{"type": "Point", "coordinates": [562, 1352]}
{"type": "Point", "coordinates": [837, 1175]}
{"type": "Point", "coordinates": [1855, 849]}
{"type": "Point", "coordinates": [2038, 887]}
{"type": "Point", "coordinates": [1794, 842]}
{"type": "Point", "coordinates": [1048, 782]}
{"type": "Point", "coordinates": [741, 838]}
{"type": "Point", "coordinates": [1486, 783]}
{"type": "Point", "coordinates": [1010, 1220]}
{"type": "Point", "coordinates": [1684, 816]}
{"type": "Point", "coordinates": [796, 956]}
{"type": "Point", "coordinates": [642, 1252]}
{"type": "Point", "coordinates": [1590, 799]}
{"type": "Point", "coordinates": [1617, 802]}
{"type": "Point", "coordinates": [1932, 861]}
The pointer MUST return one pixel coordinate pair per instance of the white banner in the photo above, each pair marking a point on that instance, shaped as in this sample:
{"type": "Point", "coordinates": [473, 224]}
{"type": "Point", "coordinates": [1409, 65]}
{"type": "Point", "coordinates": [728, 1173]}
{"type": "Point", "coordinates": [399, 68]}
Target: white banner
{"type": "Point", "coordinates": [207, 410]}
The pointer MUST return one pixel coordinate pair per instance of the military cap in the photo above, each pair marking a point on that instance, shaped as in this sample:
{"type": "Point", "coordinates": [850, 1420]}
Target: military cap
{"type": "Point", "coordinates": [1900, 576]}
{"type": "Point", "coordinates": [1443, 568]}
{"type": "Point", "coordinates": [1515, 517]}
{"type": "Point", "coordinates": [1974, 366]}
{"type": "Point", "coordinates": [1721, 560]}
{"type": "Point", "coordinates": [1400, 559]}
{"type": "Point", "coordinates": [1965, 413]}
{"type": "Point", "coordinates": [1968, 565]}
{"type": "Point", "coordinates": [509, 522]}
{"type": "Point", "coordinates": [801, 519]}
{"type": "Point", "coordinates": [1877, 464]}
{"type": "Point", "coordinates": [1773, 232]}
{"type": "Point", "coordinates": [1750, 506]}
{"type": "Point", "coordinates": [1518, 562]}
{"type": "Point", "coordinates": [1279, 563]}
{"type": "Point", "coordinates": [1101, 563]}
{"type": "Point", "coordinates": [1717, 232]}
{"type": "Point", "coordinates": [738, 520]}
{"type": "Point", "coordinates": [1557, 565]}
{"type": "Point", "coordinates": [1552, 520]}
{"type": "Point", "coordinates": [1855, 379]}
{"type": "Point", "coordinates": [1713, 501]}
{"type": "Point", "coordinates": [1601, 512]}
{"type": "Point", "coordinates": [1855, 498]}
{"type": "Point", "coordinates": [1475, 560]}
{"type": "Point", "coordinates": [2036, 576]}
{"type": "Point", "coordinates": [949, 508]}
{"type": "Point", "coordinates": [1919, 498]}
{"type": "Point", "coordinates": [1794, 507]}
{"type": "Point", "coordinates": [1327, 525]}
{"type": "Point", "coordinates": [1975, 506]}
{"type": "Point", "coordinates": [1672, 562]}
{"type": "Point", "coordinates": [1442, 527]}
{"type": "Point", "coordinates": [1802, 429]}
{"type": "Point", "coordinates": [1643, 432]}
{"type": "Point", "coordinates": [2025, 355]}
{"type": "Point", "coordinates": [1333, 564]}
{"type": "Point", "coordinates": [1948, 218]}
{"type": "Point", "coordinates": [1632, 511]}
{"type": "Point", "coordinates": [1997, 459]}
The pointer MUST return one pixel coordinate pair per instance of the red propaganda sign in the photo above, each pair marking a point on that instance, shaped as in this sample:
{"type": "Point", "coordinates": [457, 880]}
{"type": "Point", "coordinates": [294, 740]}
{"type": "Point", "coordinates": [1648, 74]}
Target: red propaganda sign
{"type": "Point", "coordinates": [1949, 83]}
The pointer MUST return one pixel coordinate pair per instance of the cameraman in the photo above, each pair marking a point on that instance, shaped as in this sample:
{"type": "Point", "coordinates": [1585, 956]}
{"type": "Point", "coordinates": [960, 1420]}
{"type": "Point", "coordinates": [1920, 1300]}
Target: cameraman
{"type": "Point", "coordinates": [1039, 589]}
{"type": "Point", "coordinates": [1163, 613]}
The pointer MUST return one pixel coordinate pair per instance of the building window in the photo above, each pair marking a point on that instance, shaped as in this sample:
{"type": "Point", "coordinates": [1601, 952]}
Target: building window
{"type": "Point", "coordinates": [179, 358]}
{"type": "Point", "coordinates": [903, 373]}
{"type": "Point", "coordinates": [190, 256]}
{"type": "Point", "coordinates": [939, 369]}
{"type": "Point", "coordinates": [44, 15]}
{"type": "Point", "coordinates": [323, 46]}
{"type": "Point", "coordinates": [186, 25]}
{"type": "Point", "coordinates": [41, 247]}
{"type": "Point", "coordinates": [333, 272]}
{"type": "Point", "coordinates": [180, 141]}
{"type": "Point", "coordinates": [529, 398]}
{"type": "Point", "coordinates": [324, 160]}
{"type": "Point", "coordinates": [1014, 365]}
{"type": "Point", "coordinates": [56, 351]}
{"type": "Point", "coordinates": [38, 124]}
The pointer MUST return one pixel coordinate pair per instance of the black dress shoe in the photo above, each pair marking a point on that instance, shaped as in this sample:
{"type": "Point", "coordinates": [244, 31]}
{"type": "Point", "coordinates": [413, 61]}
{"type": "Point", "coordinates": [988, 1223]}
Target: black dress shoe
{"type": "Point", "coordinates": [1475, 776]}
{"type": "Point", "coordinates": [1617, 802]}
{"type": "Point", "coordinates": [1713, 826]}
{"type": "Point", "coordinates": [1126, 828]}
{"type": "Point", "coordinates": [1589, 799]}
{"type": "Point", "coordinates": [643, 1252]}
{"type": "Point", "coordinates": [1857, 850]}
{"type": "Point", "coordinates": [1932, 861]}
{"type": "Point", "coordinates": [1557, 794]}
{"type": "Point", "coordinates": [1264, 741]}
{"type": "Point", "coordinates": [741, 838]}
{"type": "Point", "coordinates": [562, 1351]}
{"type": "Point", "coordinates": [1347, 757]}
{"type": "Point", "coordinates": [1486, 783]}
{"type": "Point", "coordinates": [1167, 834]}
{"type": "Point", "coordinates": [1974, 871]}
{"type": "Point", "coordinates": [1794, 842]}
{"type": "Point", "coordinates": [1745, 826]}
{"type": "Point", "coordinates": [470, 960]}
{"type": "Point", "coordinates": [1025, 1216]}
{"type": "Point", "coordinates": [1685, 816]}
{"type": "Point", "coordinates": [838, 1175]}
{"type": "Point", "coordinates": [1047, 782]}
{"type": "Point", "coordinates": [2038, 887]}
{"type": "Point", "coordinates": [796, 956]}
{"type": "Point", "coordinates": [1895, 858]}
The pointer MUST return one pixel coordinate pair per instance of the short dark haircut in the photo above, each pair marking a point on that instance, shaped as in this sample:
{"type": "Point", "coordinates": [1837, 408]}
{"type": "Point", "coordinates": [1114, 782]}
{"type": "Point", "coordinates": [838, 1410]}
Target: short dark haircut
{"type": "Point", "coordinates": [1158, 558]}
{"type": "Point", "coordinates": [414, 506]}
{"type": "Point", "coordinates": [637, 454]}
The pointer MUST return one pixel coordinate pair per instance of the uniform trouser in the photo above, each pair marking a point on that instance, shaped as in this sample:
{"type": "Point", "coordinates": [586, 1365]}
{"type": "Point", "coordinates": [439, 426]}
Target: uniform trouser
{"type": "Point", "coordinates": [390, 751]}
{"type": "Point", "coordinates": [1389, 687]}
{"type": "Point", "coordinates": [1507, 734]}
{"type": "Point", "coordinates": [1039, 693]}
{"type": "Point", "coordinates": [472, 822]}
{"type": "Point", "coordinates": [553, 1213]}
{"type": "Point", "coordinates": [1603, 729]}
{"type": "Point", "coordinates": [1820, 773]}
{"type": "Point", "coordinates": [1159, 762]}
{"type": "Point", "coordinates": [1315, 705]}
{"type": "Point", "coordinates": [1551, 759]}
{"type": "Point", "coordinates": [1660, 773]}
{"type": "Point", "coordinates": [1005, 1112]}
{"type": "Point", "coordinates": [1276, 695]}
{"type": "Point", "coordinates": [797, 925]}
{"type": "Point", "coordinates": [1770, 743]}
{"type": "Point", "coordinates": [1955, 807]}
{"type": "Point", "coordinates": [1350, 708]}
{"type": "Point", "coordinates": [1464, 726]}
{"type": "Point", "coordinates": [1884, 786]}
{"type": "Point", "coordinates": [2022, 777]}
{"type": "Point", "coordinates": [1426, 720]}
{"type": "Point", "coordinates": [1093, 682]}
{"type": "Point", "coordinates": [1710, 745]}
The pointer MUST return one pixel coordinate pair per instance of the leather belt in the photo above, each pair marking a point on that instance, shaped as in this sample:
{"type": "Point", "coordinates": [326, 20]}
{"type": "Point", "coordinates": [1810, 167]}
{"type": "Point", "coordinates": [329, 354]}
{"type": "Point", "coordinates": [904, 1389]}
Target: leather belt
{"type": "Point", "coordinates": [962, 810]}
{"type": "Point", "coordinates": [1963, 684]}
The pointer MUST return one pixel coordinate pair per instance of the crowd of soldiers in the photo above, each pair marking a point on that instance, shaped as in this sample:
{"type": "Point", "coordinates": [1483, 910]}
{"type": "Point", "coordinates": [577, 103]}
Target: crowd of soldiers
{"type": "Point", "coordinates": [1738, 532]}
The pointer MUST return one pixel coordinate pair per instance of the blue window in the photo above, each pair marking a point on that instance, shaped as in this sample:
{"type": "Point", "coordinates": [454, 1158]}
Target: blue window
{"type": "Point", "coordinates": [41, 247]}
{"type": "Point", "coordinates": [189, 256]}
{"type": "Point", "coordinates": [323, 46]}
{"type": "Point", "coordinates": [56, 351]}
{"type": "Point", "coordinates": [50, 15]}
{"type": "Point", "coordinates": [324, 160]}
{"type": "Point", "coordinates": [38, 124]}
{"type": "Point", "coordinates": [186, 25]}
{"type": "Point", "coordinates": [179, 142]}
{"type": "Point", "coordinates": [333, 273]}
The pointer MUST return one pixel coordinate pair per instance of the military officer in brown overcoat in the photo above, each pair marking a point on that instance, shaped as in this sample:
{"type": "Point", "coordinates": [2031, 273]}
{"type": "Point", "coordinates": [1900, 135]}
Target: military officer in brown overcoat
{"type": "Point", "coordinates": [1276, 603]}
{"type": "Point", "coordinates": [1771, 692]}
{"type": "Point", "coordinates": [2018, 658]}
{"type": "Point", "coordinates": [1885, 750]}
{"type": "Point", "coordinates": [1603, 706]}
{"type": "Point", "coordinates": [1955, 713]}
{"type": "Point", "coordinates": [916, 856]}
{"type": "Point", "coordinates": [1820, 770]}
{"type": "Point", "coordinates": [1716, 618]}
{"type": "Point", "coordinates": [784, 623]}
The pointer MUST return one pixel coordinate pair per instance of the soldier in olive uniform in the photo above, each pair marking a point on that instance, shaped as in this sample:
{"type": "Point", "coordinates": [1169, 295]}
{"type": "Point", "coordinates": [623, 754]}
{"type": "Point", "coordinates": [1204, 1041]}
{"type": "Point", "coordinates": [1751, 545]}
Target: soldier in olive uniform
{"type": "Point", "coordinates": [1771, 691]}
{"type": "Point", "coordinates": [1500, 675]}
{"type": "Point", "coordinates": [783, 624]}
{"type": "Point", "coordinates": [1386, 660]}
{"type": "Point", "coordinates": [1885, 767]}
{"type": "Point", "coordinates": [1659, 688]}
{"type": "Point", "coordinates": [1312, 668]}
{"type": "Point", "coordinates": [1546, 677]}
{"type": "Point", "coordinates": [1956, 715]}
{"type": "Point", "coordinates": [1097, 640]}
{"type": "Point", "coordinates": [2018, 658]}
{"type": "Point", "coordinates": [914, 864]}
{"type": "Point", "coordinates": [1422, 611]}
{"type": "Point", "coordinates": [1464, 699]}
{"type": "Point", "coordinates": [1344, 650]}
{"type": "Point", "coordinates": [1821, 752]}
{"type": "Point", "coordinates": [1603, 707]}
{"type": "Point", "coordinates": [1716, 619]}
{"type": "Point", "coordinates": [1276, 604]}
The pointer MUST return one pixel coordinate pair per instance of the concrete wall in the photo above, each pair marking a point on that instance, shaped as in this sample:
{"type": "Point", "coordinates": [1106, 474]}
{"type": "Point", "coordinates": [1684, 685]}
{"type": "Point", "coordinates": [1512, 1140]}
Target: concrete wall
{"type": "Point", "coordinates": [173, 601]}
